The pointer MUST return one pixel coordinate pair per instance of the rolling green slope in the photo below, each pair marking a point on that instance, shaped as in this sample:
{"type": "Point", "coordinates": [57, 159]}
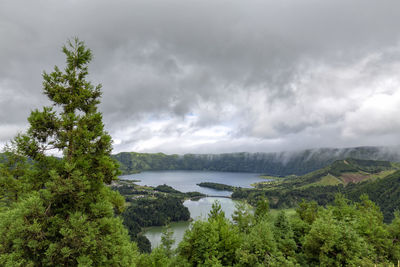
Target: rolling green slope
{"type": "Point", "coordinates": [380, 180]}
{"type": "Point", "coordinates": [384, 192]}
{"type": "Point", "coordinates": [339, 172]}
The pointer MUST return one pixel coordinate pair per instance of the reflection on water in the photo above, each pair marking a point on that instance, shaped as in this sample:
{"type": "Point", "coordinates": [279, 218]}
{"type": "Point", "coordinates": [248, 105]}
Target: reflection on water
{"type": "Point", "coordinates": [198, 210]}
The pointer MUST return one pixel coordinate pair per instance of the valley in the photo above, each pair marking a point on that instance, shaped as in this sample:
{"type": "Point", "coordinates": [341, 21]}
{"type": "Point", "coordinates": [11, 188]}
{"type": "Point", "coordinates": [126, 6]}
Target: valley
{"type": "Point", "coordinates": [350, 177]}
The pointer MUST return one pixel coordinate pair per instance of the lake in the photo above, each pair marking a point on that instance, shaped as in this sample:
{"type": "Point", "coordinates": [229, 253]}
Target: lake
{"type": "Point", "coordinates": [198, 210]}
{"type": "Point", "coordinates": [185, 181]}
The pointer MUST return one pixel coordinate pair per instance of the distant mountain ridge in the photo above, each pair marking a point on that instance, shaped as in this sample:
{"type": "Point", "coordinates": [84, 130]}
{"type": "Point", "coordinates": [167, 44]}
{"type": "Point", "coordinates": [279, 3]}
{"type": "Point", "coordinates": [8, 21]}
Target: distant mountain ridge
{"type": "Point", "coordinates": [276, 163]}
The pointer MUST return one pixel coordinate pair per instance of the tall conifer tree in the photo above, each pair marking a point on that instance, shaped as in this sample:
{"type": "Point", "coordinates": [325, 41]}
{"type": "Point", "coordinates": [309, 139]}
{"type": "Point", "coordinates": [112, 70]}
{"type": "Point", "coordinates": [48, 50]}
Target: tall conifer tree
{"type": "Point", "coordinates": [63, 214]}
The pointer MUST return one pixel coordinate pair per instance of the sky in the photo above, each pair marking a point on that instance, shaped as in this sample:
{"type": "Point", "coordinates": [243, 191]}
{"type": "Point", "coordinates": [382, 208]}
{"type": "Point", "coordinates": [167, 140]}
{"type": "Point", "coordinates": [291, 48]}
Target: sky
{"type": "Point", "coordinates": [215, 76]}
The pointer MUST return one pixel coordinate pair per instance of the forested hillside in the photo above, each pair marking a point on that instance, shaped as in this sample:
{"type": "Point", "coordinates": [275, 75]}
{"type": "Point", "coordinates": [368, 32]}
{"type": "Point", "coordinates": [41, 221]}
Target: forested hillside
{"type": "Point", "coordinates": [384, 192]}
{"type": "Point", "coordinates": [278, 164]}
{"type": "Point", "coordinates": [380, 180]}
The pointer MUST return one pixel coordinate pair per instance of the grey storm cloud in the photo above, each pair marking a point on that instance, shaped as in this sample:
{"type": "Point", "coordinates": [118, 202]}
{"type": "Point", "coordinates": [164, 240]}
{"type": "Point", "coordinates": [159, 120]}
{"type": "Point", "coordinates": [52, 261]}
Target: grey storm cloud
{"type": "Point", "coordinates": [215, 76]}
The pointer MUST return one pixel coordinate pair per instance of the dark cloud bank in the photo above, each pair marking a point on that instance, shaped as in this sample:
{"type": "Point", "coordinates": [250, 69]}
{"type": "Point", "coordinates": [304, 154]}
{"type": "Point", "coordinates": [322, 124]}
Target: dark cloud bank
{"type": "Point", "coordinates": [216, 76]}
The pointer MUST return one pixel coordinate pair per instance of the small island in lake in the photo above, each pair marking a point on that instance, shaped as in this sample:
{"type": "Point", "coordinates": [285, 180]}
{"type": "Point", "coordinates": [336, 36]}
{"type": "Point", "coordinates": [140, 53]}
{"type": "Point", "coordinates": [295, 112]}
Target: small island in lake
{"type": "Point", "coordinates": [217, 186]}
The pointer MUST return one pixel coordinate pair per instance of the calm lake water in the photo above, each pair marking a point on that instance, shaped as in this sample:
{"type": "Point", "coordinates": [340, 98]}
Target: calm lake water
{"type": "Point", "coordinates": [185, 181]}
{"type": "Point", "coordinates": [198, 210]}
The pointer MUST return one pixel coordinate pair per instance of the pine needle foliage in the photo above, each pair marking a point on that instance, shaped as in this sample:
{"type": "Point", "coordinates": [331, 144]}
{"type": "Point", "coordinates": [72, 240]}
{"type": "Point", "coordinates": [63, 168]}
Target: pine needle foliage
{"type": "Point", "coordinates": [60, 212]}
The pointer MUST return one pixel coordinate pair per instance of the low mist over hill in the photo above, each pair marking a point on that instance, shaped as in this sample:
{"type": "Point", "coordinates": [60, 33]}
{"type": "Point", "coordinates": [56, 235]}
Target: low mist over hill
{"type": "Point", "coordinates": [279, 163]}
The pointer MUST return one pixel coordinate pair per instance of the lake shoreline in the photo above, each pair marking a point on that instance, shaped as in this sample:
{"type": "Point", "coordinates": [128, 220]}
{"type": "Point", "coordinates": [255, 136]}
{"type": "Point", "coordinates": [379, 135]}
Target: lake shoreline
{"type": "Point", "coordinates": [186, 181]}
{"type": "Point", "coordinates": [198, 211]}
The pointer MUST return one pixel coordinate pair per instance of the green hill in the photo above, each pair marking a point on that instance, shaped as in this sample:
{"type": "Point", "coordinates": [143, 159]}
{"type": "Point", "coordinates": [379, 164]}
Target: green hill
{"type": "Point", "coordinates": [349, 171]}
{"type": "Point", "coordinates": [339, 172]}
{"type": "Point", "coordinates": [384, 192]}
{"type": "Point", "coordinates": [276, 164]}
{"type": "Point", "coordinates": [132, 162]}
{"type": "Point", "coordinates": [380, 180]}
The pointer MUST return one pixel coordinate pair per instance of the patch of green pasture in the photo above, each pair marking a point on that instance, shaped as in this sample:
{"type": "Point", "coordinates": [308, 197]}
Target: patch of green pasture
{"type": "Point", "coordinates": [380, 175]}
{"type": "Point", "coordinates": [325, 181]}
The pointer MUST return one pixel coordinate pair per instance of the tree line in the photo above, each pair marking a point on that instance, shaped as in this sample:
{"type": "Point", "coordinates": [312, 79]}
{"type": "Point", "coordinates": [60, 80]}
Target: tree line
{"type": "Point", "coordinates": [344, 233]}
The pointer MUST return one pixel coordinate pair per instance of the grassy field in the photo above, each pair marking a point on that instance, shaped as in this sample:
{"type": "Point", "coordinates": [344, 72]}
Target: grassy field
{"type": "Point", "coordinates": [380, 175]}
{"type": "Point", "coordinates": [324, 181]}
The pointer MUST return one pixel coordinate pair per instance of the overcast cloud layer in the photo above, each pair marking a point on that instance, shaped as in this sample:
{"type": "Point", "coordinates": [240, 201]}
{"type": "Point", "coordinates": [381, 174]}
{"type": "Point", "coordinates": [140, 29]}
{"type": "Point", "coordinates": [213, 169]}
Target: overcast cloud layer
{"type": "Point", "coordinates": [213, 76]}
